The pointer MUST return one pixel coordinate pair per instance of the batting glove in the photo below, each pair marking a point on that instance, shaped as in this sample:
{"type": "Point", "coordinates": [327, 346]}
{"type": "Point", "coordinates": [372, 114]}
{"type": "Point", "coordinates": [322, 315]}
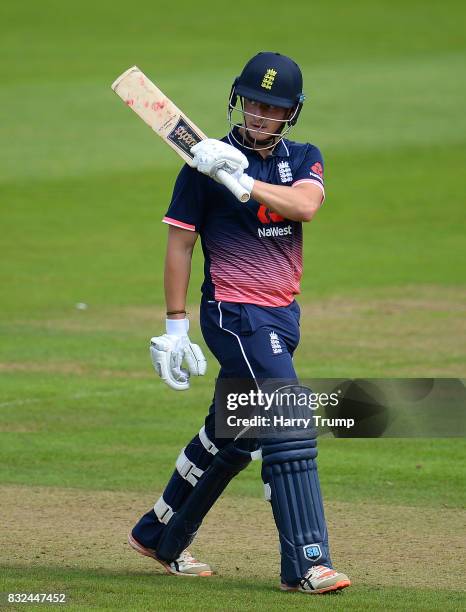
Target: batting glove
{"type": "Point", "coordinates": [244, 179]}
{"type": "Point", "coordinates": [170, 350]}
{"type": "Point", "coordinates": [212, 155]}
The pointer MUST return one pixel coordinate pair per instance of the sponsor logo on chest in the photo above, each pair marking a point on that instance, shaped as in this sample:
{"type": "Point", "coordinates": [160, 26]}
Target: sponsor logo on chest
{"type": "Point", "coordinates": [273, 232]}
{"type": "Point", "coordinates": [267, 217]}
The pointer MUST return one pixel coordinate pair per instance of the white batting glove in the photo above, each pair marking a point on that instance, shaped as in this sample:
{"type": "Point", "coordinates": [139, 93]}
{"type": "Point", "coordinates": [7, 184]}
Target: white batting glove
{"type": "Point", "coordinates": [244, 179]}
{"type": "Point", "coordinates": [169, 351]}
{"type": "Point", "coordinates": [212, 155]}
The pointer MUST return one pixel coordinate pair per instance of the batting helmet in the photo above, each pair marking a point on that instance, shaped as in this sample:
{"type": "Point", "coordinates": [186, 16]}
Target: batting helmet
{"type": "Point", "coordinates": [271, 78]}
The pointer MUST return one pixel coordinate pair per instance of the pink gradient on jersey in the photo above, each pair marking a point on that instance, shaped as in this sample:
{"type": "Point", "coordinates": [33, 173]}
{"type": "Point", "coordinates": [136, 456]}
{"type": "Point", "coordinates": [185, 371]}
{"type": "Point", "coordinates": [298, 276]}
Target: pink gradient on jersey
{"type": "Point", "coordinates": [176, 223]}
{"type": "Point", "coordinates": [314, 182]}
{"type": "Point", "coordinates": [250, 270]}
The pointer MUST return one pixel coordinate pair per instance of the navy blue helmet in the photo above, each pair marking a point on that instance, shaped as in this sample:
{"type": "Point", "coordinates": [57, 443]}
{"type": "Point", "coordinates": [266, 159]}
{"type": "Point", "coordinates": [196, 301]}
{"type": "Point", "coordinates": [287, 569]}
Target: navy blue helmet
{"type": "Point", "coordinates": [271, 78]}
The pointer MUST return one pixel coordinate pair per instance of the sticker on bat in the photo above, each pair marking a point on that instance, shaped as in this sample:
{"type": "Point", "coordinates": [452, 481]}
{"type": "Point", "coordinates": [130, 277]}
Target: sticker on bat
{"type": "Point", "coordinates": [184, 137]}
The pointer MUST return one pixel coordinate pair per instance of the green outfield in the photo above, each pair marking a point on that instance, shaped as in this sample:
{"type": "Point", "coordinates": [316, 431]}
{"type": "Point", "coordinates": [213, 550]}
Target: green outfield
{"type": "Point", "coordinates": [88, 434]}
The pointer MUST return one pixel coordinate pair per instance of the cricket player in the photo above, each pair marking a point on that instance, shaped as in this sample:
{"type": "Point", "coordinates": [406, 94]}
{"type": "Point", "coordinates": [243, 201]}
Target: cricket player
{"type": "Point", "coordinates": [249, 319]}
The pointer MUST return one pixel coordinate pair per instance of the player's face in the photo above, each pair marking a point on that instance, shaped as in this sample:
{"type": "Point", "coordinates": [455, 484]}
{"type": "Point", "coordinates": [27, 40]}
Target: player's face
{"type": "Point", "coordinates": [269, 119]}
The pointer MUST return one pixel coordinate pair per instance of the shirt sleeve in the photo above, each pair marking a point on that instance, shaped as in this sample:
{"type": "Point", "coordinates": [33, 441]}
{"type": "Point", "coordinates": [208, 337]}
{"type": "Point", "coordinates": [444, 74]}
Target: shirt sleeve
{"type": "Point", "coordinates": [311, 169]}
{"type": "Point", "coordinates": [187, 206]}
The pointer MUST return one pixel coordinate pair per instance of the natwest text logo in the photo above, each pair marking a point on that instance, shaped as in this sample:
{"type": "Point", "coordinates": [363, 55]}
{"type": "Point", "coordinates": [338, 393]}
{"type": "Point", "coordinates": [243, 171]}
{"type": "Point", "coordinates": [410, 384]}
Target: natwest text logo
{"type": "Point", "coordinates": [272, 232]}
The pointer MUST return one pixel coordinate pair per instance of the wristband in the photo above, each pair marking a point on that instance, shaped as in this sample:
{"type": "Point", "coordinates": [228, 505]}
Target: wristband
{"type": "Point", "coordinates": [177, 327]}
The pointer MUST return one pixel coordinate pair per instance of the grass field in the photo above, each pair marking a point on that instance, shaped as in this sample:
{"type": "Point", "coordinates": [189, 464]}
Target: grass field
{"type": "Point", "coordinates": [88, 435]}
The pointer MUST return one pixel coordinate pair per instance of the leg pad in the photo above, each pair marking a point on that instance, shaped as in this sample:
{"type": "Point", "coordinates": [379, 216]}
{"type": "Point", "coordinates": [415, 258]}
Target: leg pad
{"type": "Point", "coordinates": [290, 471]}
{"type": "Point", "coordinates": [184, 524]}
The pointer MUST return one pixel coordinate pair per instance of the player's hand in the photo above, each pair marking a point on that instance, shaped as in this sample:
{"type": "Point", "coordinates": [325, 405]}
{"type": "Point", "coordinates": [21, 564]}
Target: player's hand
{"type": "Point", "coordinates": [212, 155]}
{"type": "Point", "coordinates": [170, 350]}
{"type": "Point", "coordinates": [244, 179]}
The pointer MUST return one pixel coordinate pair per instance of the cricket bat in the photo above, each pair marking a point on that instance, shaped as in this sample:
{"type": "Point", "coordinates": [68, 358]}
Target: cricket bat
{"type": "Point", "coordinates": [165, 118]}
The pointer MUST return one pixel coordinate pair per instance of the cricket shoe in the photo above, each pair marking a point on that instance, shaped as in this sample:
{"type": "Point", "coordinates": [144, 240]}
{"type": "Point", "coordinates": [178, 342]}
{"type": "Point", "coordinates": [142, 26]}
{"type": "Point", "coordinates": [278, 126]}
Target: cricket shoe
{"type": "Point", "coordinates": [319, 579]}
{"type": "Point", "coordinates": [184, 565]}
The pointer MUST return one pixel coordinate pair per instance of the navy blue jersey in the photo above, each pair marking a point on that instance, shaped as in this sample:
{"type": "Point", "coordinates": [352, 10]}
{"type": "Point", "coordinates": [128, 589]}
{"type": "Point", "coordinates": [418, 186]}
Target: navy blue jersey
{"type": "Point", "coordinates": [252, 255]}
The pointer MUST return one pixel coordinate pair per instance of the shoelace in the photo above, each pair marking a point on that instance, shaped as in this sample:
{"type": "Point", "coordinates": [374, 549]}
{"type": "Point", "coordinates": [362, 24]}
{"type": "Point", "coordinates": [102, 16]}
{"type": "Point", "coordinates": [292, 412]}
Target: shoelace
{"type": "Point", "coordinates": [187, 557]}
{"type": "Point", "coordinates": [316, 571]}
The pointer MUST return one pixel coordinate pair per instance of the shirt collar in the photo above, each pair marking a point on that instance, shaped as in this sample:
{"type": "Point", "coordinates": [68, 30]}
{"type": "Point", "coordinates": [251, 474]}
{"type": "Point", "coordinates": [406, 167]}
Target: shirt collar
{"type": "Point", "coordinates": [280, 150]}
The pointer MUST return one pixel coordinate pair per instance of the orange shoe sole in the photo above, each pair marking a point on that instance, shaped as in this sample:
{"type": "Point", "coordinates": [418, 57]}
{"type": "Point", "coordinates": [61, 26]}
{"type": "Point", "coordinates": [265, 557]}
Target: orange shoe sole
{"type": "Point", "coordinates": [338, 586]}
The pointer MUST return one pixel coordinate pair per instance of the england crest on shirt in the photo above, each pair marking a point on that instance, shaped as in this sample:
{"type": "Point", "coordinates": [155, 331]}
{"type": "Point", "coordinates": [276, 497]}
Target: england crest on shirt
{"type": "Point", "coordinates": [284, 172]}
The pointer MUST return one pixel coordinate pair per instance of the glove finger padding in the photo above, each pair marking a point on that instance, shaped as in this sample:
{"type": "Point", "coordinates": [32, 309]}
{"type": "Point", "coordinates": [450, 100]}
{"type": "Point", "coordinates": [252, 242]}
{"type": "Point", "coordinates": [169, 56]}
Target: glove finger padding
{"type": "Point", "coordinates": [167, 357]}
{"type": "Point", "coordinates": [211, 155]}
{"type": "Point", "coordinates": [211, 166]}
{"type": "Point", "coordinates": [211, 147]}
{"type": "Point", "coordinates": [195, 360]}
{"type": "Point", "coordinates": [177, 371]}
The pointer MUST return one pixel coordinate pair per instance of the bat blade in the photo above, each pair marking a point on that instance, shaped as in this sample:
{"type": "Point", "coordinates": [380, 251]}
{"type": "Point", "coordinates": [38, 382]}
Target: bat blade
{"type": "Point", "coordinates": [163, 116]}
{"type": "Point", "coordinates": [158, 111]}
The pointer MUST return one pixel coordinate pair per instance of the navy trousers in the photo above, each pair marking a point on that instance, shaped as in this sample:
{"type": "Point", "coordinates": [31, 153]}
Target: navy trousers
{"type": "Point", "coordinates": [249, 342]}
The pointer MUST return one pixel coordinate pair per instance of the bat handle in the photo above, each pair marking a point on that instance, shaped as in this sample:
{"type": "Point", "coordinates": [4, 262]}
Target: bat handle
{"type": "Point", "coordinates": [233, 185]}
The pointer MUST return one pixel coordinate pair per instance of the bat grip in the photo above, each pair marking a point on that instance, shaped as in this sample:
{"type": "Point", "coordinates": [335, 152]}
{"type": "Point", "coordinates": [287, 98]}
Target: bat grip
{"type": "Point", "coordinates": [233, 185]}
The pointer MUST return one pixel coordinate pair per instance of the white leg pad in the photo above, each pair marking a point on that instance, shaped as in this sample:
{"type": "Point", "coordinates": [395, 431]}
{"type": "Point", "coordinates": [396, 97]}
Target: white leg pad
{"type": "Point", "coordinates": [163, 511]}
{"type": "Point", "coordinates": [206, 443]}
{"type": "Point", "coordinates": [187, 469]}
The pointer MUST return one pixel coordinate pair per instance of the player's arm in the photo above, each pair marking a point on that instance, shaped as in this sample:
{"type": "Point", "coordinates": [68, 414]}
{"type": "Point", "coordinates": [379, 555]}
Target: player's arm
{"type": "Point", "coordinates": [171, 350]}
{"type": "Point", "coordinates": [299, 203]}
{"type": "Point", "coordinates": [178, 258]}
